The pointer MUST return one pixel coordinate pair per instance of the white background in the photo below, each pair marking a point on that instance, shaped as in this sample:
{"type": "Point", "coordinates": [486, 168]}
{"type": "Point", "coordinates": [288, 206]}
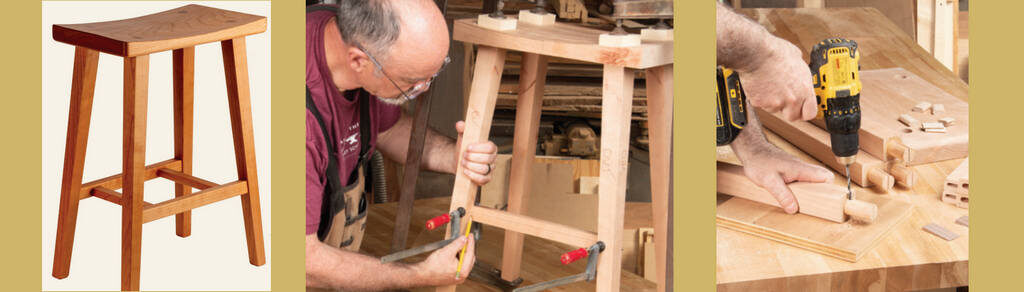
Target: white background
{"type": "Point", "coordinates": [214, 257]}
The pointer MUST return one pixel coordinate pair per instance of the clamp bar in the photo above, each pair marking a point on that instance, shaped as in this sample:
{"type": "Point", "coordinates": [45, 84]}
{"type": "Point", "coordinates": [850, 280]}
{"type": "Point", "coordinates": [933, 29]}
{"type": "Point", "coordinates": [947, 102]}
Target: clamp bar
{"type": "Point", "coordinates": [589, 274]}
{"type": "Point", "coordinates": [455, 216]}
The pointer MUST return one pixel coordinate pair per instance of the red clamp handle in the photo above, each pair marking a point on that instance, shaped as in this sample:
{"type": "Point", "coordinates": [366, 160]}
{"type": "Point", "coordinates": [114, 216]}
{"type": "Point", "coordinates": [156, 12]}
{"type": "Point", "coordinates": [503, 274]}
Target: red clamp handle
{"type": "Point", "coordinates": [433, 223]}
{"type": "Point", "coordinates": [572, 256]}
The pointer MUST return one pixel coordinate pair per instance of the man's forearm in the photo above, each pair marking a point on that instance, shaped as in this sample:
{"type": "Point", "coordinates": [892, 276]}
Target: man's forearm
{"type": "Point", "coordinates": [333, 268]}
{"type": "Point", "coordinates": [439, 153]}
{"type": "Point", "coordinates": [438, 150]}
{"type": "Point", "coordinates": [741, 43]}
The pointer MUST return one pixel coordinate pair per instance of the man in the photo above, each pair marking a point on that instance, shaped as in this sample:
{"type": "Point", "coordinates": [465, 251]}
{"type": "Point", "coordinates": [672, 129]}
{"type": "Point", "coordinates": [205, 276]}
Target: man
{"type": "Point", "coordinates": [775, 78]}
{"type": "Point", "coordinates": [363, 58]}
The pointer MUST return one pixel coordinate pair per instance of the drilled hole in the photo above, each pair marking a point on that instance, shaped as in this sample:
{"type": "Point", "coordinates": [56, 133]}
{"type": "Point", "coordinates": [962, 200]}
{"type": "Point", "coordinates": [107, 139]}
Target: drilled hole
{"type": "Point", "coordinates": [965, 186]}
{"type": "Point", "coordinates": [951, 196]}
{"type": "Point", "coordinates": [952, 185]}
{"type": "Point", "coordinates": [908, 130]}
{"type": "Point", "coordinates": [963, 199]}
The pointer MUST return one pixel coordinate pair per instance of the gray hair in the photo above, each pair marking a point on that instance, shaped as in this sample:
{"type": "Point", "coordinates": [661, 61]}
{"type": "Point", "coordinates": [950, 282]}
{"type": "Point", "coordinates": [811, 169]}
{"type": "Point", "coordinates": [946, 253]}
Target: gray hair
{"type": "Point", "coordinates": [370, 23]}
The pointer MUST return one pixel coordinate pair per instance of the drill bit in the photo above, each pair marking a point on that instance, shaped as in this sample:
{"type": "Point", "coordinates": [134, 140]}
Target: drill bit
{"type": "Point", "coordinates": [849, 193]}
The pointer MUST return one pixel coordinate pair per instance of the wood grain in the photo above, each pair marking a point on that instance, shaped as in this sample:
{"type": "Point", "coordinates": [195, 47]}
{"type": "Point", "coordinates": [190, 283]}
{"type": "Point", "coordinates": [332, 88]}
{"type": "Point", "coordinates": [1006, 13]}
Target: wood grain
{"type": "Point", "coordinates": [479, 113]}
{"type": "Point", "coordinates": [816, 142]}
{"type": "Point", "coordinates": [908, 259]}
{"type": "Point", "coordinates": [847, 241]}
{"type": "Point", "coordinates": [136, 82]}
{"type": "Point", "coordinates": [888, 93]}
{"type": "Point", "coordinates": [540, 256]}
{"type": "Point", "coordinates": [822, 200]}
{"type": "Point", "coordinates": [566, 41]}
{"type": "Point", "coordinates": [184, 63]}
{"type": "Point", "coordinates": [83, 85]}
{"type": "Point", "coordinates": [177, 28]}
{"type": "Point", "coordinates": [659, 85]}
{"type": "Point", "coordinates": [527, 124]}
{"type": "Point", "coordinates": [617, 95]}
{"type": "Point", "coordinates": [236, 73]}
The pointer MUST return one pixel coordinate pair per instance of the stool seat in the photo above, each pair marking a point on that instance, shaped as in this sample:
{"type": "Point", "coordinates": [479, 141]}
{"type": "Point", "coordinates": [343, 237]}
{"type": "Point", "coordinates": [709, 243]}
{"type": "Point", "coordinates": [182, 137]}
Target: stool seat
{"type": "Point", "coordinates": [177, 28]}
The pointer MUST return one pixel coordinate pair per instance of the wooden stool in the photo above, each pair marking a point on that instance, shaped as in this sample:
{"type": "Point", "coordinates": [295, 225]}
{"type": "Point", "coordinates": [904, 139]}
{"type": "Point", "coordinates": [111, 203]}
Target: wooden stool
{"type": "Point", "coordinates": [537, 43]}
{"type": "Point", "coordinates": [134, 39]}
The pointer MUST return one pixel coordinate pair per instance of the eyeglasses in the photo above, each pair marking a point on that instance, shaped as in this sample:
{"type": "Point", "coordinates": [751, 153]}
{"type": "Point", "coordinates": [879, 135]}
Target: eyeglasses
{"type": "Point", "coordinates": [418, 87]}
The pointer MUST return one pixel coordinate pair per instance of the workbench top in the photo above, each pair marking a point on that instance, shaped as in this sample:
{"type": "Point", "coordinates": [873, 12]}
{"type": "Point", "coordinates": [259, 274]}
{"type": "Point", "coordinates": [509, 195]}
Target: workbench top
{"type": "Point", "coordinates": [908, 258]}
{"type": "Point", "coordinates": [540, 257]}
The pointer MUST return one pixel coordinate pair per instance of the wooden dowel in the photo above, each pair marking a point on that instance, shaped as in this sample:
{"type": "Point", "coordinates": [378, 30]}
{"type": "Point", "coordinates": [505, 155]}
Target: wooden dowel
{"type": "Point", "coordinates": [895, 150]}
{"type": "Point", "coordinates": [881, 180]}
{"type": "Point", "coordinates": [903, 175]}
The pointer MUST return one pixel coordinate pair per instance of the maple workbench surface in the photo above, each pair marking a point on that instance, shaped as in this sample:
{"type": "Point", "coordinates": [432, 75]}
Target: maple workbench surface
{"type": "Point", "coordinates": [908, 258]}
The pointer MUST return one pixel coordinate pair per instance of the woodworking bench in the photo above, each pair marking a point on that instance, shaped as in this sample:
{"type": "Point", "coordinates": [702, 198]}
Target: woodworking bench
{"type": "Point", "coordinates": [908, 258]}
{"type": "Point", "coordinates": [539, 42]}
{"type": "Point", "coordinates": [540, 257]}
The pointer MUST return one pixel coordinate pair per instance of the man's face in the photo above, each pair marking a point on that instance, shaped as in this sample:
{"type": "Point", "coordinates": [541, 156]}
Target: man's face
{"type": "Point", "coordinates": [401, 76]}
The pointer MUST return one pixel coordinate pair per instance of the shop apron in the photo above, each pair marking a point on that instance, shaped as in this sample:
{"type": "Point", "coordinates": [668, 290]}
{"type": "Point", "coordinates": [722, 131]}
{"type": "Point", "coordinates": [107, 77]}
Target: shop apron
{"type": "Point", "coordinates": [343, 207]}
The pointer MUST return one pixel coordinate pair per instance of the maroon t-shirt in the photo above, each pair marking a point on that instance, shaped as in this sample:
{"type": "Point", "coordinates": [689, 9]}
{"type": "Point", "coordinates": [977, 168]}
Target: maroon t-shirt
{"type": "Point", "coordinates": [340, 112]}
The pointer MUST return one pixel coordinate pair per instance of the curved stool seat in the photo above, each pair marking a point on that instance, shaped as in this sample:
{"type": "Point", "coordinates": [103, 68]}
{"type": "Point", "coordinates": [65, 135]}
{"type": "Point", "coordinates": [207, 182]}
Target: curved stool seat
{"type": "Point", "coordinates": [181, 27]}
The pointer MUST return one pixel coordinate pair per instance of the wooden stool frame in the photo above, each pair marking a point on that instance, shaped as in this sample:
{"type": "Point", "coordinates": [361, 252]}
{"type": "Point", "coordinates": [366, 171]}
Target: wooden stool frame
{"type": "Point", "coordinates": [537, 43]}
{"type": "Point", "coordinates": [135, 211]}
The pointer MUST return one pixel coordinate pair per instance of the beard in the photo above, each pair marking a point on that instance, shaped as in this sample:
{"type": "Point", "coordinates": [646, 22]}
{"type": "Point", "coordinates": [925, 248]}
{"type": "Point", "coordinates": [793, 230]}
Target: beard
{"type": "Point", "coordinates": [397, 100]}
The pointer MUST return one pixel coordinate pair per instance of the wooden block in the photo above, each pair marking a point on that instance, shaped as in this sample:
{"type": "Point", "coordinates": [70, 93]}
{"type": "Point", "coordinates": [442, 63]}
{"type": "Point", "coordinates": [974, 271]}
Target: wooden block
{"type": "Point", "coordinates": [847, 241]}
{"type": "Point", "coordinates": [942, 130]}
{"type": "Point", "coordinates": [940, 231]}
{"type": "Point", "coordinates": [587, 185]}
{"type": "Point", "coordinates": [527, 16]}
{"type": "Point", "coordinates": [910, 121]}
{"type": "Point", "coordinates": [957, 187]}
{"type": "Point", "coordinates": [922, 107]}
{"type": "Point", "coordinates": [938, 109]}
{"type": "Point", "coordinates": [488, 22]}
{"type": "Point", "coordinates": [932, 125]}
{"type": "Point", "coordinates": [962, 221]}
{"type": "Point", "coordinates": [650, 259]}
{"type": "Point", "coordinates": [947, 121]}
{"type": "Point", "coordinates": [618, 41]}
{"type": "Point", "coordinates": [822, 200]}
{"type": "Point", "coordinates": [656, 35]}
{"type": "Point", "coordinates": [816, 142]}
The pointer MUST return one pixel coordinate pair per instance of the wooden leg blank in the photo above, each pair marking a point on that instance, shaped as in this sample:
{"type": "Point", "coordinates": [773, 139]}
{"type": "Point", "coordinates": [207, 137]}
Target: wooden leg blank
{"type": "Point", "coordinates": [136, 79]}
{"type": "Point", "coordinates": [236, 72]}
{"type": "Point", "coordinates": [184, 69]}
{"type": "Point", "coordinates": [659, 108]}
{"type": "Point", "coordinates": [483, 94]}
{"type": "Point", "coordinates": [531, 95]}
{"type": "Point", "coordinates": [83, 84]}
{"type": "Point", "coordinates": [616, 105]}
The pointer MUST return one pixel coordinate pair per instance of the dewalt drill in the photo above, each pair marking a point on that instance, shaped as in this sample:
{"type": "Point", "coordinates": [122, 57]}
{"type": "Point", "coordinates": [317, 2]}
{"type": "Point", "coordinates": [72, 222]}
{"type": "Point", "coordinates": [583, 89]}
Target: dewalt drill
{"type": "Point", "coordinates": [730, 106]}
{"type": "Point", "coordinates": [835, 69]}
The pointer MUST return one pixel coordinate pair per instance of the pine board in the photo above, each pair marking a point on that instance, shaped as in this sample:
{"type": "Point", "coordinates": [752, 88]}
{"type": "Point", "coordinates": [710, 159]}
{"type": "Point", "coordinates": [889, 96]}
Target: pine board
{"type": "Point", "coordinates": [847, 241]}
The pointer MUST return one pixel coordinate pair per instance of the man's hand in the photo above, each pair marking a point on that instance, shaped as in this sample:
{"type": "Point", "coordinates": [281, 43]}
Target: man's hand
{"type": "Point", "coordinates": [771, 168]}
{"type": "Point", "coordinates": [477, 161]}
{"type": "Point", "coordinates": [772, 70]}
{"type": "Point", "coordinates": [781, 81]}
{"type": "Point", "coordinates": [439, 268]}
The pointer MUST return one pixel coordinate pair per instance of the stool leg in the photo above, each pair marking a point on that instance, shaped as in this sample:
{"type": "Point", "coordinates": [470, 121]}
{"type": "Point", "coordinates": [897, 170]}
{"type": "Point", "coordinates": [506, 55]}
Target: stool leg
{"type": "Point", "coordinates": [236, 72]}
{"type": "Point", "coordinates": [659, 108]}
{"type": "Point", "coordinates": [531, 96]}
{"type": "Point", "coordinates": [184, 69]}
{"type": "Point", "coordinates": [136, 82]}
{"type": "Point", "coordinates": [483, 94]}
{"type": "Point", "coordinates": [83, 84]}
{"type": "Point", "coordinates": [616, 109]}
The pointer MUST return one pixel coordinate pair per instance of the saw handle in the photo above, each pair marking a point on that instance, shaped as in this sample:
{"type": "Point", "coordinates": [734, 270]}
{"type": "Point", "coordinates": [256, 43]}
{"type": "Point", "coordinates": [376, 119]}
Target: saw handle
{"type": "Point", "coordinates": [572, 256]}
